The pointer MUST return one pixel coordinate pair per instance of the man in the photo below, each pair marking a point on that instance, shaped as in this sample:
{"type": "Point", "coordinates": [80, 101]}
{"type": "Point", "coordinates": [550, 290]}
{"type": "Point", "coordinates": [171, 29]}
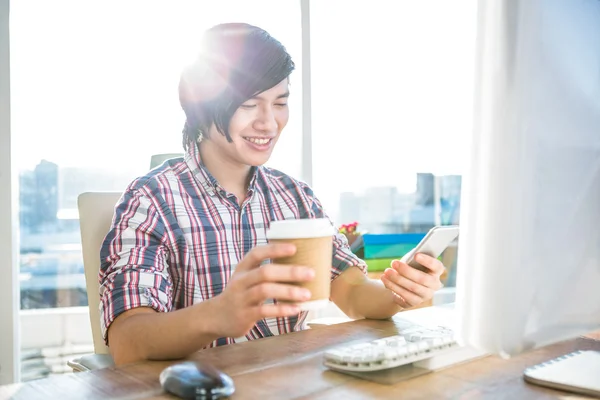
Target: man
{"type": "Point", "coordinates": [180, 265]}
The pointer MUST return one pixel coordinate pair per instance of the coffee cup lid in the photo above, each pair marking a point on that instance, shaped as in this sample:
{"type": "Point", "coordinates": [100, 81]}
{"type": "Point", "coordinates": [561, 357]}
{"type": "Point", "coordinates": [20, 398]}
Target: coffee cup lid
{"type": "Point", "coordinates": [300, 228]}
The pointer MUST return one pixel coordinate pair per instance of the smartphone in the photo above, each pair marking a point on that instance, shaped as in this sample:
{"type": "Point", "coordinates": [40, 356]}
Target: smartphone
{"type": "Point", "coordinates": [433, 244]}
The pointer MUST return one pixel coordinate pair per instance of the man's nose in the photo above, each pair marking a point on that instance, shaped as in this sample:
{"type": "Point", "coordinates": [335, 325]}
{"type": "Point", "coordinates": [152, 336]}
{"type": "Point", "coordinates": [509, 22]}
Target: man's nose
{"type": "Point", "coordinates": [266, 120]}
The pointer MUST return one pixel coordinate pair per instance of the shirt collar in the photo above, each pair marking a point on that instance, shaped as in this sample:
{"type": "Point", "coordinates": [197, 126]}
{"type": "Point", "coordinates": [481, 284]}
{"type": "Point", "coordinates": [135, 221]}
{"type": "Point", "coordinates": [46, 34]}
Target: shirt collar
{"type": "Point", "coordinates": [203, 175]}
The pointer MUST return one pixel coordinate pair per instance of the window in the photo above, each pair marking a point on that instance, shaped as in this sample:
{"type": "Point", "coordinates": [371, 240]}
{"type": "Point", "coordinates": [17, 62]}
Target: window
{"type": "Point", "coordinates": [392, 106]}
{"type": "Point", "coordinates": [94, 96]}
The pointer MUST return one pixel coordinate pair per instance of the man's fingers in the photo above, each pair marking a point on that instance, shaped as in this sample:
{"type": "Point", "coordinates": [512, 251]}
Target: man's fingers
{"type": "Point", "coordinates": [423, 278]}
{"type": "Point", "coordinates": [408, 298]}
{"type": "Point", "coordinates": [420, 290]}
{"type": "Point", "coordinates": [257, 255]}
{"type": "Point", "coordinates": [275, 310]}
{"type": "Point", "coordinates": [434, 265]}
{"type": "Point", "coordinates": [269, 290]}
{"type": "Point", "coordinates": [278, 273]}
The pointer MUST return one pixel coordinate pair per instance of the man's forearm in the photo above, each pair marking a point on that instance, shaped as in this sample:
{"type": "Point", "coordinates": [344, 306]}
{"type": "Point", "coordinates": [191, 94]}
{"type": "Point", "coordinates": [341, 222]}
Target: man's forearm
{"type": "Point", "coordinates": [372, 300]}
{"type": "Point", "coordinates": [143, 334]}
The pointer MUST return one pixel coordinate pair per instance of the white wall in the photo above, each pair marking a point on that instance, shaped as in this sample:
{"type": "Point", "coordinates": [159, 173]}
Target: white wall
{"type": "Point", "coordinates": [9, 295]}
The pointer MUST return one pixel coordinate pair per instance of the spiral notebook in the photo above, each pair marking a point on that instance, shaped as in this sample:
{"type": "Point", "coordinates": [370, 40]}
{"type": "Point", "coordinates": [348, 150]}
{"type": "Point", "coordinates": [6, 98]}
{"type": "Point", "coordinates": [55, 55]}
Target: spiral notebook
{"type": "Point", "coordinates": [577, 372]}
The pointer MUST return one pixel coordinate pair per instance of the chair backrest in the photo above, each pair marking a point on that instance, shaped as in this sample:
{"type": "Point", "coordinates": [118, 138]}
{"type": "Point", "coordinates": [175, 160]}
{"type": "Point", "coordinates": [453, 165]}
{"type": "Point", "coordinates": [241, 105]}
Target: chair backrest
{"type": "Point", "coordinates": [158, 159]}
{"type": "Point", "coordinates": [96, 210]}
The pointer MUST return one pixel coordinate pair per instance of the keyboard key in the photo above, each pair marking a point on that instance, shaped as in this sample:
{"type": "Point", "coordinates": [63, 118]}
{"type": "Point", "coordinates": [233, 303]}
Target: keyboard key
{"type": "Point", "coordinates": [412, 348]}
{"type": "Point", "coordinates": [423, 345]}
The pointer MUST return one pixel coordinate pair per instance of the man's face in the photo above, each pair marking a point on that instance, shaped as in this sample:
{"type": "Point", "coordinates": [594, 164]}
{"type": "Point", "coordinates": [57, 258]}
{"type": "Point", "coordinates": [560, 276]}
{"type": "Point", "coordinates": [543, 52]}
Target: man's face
{"type": "Point", "coordinates": [255, 127]}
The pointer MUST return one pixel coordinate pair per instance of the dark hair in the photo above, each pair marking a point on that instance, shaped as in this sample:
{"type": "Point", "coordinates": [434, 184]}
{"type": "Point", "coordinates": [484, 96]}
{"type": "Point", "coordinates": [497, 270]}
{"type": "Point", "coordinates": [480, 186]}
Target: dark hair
{"type": "Point", "coordinates": [237, 61]}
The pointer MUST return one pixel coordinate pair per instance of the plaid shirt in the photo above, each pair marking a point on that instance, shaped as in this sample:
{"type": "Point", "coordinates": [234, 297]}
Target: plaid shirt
{"type": "Point", "coordinates": [177, 237]}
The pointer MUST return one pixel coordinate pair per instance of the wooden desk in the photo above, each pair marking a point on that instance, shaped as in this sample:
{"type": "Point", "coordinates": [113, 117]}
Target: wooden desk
{"type": "Point", "coordinates": [290, 367]}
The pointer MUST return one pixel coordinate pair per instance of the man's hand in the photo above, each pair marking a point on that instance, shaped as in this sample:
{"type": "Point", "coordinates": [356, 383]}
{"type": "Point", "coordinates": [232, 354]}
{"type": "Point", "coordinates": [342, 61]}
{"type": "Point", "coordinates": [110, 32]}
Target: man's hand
{"type": "Point", "coordinates": [411, 286]}
{"type": "Point", "coordinates": [242, 302]}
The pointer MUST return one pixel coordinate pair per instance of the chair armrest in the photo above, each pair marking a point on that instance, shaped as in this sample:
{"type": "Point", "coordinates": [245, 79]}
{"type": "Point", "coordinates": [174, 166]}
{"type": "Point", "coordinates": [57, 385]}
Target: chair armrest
{"type": "Point", "coordinates": [91, 362]}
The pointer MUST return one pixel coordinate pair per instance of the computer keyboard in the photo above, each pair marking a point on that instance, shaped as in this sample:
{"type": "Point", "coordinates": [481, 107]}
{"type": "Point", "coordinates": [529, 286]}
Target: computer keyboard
{"type": "Point", "coordinates": [413, 344]}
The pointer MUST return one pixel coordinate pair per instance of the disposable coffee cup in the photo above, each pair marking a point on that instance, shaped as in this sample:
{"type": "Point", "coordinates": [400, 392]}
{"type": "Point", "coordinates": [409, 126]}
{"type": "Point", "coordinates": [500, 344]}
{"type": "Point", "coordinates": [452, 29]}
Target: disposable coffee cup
{"type": "Point", "coordinates": [313, 239]}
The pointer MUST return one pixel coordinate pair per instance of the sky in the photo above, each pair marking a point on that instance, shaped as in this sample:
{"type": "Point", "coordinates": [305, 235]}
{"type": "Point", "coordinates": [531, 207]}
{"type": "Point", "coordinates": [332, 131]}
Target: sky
{"type": "Point", "coordinates": [95, 84]}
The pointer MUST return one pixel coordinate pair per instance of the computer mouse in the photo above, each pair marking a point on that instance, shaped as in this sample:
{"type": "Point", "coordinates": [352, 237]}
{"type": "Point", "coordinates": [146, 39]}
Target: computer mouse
{"type": "Point", "coordinates": [195, 380]}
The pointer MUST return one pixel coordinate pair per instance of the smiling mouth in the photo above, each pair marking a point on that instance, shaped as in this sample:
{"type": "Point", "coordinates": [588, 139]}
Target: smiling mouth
{"type": "Point", "coordinates": [259, 141]}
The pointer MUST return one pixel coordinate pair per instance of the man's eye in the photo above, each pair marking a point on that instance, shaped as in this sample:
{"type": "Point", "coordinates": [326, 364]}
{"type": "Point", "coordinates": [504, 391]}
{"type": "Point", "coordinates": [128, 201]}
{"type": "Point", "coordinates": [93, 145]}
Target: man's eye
{"type": "Point", "coordinates": [281, 104]}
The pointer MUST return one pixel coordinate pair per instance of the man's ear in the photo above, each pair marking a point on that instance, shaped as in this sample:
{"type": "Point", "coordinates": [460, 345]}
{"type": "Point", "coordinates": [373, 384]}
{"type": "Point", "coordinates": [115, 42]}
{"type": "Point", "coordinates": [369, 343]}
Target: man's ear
{"type": "Point", "coordinates": [211, 131]}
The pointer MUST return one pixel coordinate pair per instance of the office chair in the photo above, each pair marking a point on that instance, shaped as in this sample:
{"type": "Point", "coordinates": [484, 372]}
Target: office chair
{"type": "Point", "coordinates": [96, 210]}
{"type": "Point", "coordinates": [158, 159]}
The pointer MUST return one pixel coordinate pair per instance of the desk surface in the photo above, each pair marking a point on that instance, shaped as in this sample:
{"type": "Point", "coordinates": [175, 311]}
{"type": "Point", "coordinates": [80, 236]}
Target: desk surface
{"type": "Point", "coordinates": [290, 367]}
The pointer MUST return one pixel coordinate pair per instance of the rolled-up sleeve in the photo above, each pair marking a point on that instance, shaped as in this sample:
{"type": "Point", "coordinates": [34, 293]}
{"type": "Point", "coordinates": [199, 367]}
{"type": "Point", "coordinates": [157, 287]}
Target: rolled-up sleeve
{"type": "Point", "coordinates": [134, 260]}
{"type": "Point", "coordinates": [343, 257]}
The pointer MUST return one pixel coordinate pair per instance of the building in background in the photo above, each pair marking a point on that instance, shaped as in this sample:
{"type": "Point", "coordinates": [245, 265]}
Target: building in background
{"type": "Point", "coordinates": [386, 210]}
{"type": "Point", "coordinates": [51, 264]}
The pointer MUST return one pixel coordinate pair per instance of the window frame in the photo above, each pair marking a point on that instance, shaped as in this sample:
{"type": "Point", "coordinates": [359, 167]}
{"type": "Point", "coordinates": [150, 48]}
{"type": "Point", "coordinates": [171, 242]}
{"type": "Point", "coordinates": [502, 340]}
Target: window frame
{"type": "Point", "coordinates": [9, 284]}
